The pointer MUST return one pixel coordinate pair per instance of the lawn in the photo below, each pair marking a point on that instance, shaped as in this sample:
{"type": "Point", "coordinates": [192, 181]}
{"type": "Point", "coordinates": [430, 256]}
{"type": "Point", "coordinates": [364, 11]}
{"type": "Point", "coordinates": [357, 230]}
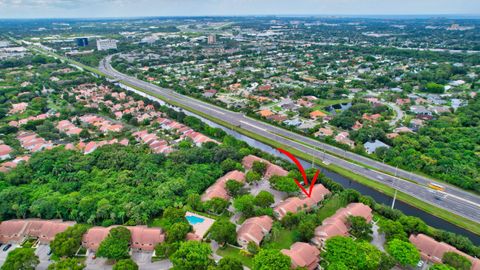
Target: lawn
{"type": "Point", "coordinates": [330, 206]}
{"type": "Point", "coordinates": [232, 252]}
{"type": "Point", "coordinates": [284, 239]}
{"type": "Point", "coordinates": [328, 102]}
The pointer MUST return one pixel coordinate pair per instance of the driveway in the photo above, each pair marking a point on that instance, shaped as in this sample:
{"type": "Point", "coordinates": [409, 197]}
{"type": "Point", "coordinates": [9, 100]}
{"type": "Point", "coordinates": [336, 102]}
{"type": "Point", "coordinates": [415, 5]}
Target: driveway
{"type": "Point", "coordinates": [378, 238]}
{"type": "Point", "coordinates": [265, 185]}
{"type": "Point", "coordinates": [96, 264]}
{"type": "Point", "coordinates": [398, 113]}
{"type": "Point", "coordinates": [42, 251]}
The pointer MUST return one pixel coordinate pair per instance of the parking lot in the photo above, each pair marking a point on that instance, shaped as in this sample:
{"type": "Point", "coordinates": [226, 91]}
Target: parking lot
{"type": "Point", "coordinates": [142, 258]}
{"type": "Point", "coordinates": [97, 263]}
{"type": "Point", "coordinates": [3, 254]}
{"type": "Point", "coordinates": [42, 251]}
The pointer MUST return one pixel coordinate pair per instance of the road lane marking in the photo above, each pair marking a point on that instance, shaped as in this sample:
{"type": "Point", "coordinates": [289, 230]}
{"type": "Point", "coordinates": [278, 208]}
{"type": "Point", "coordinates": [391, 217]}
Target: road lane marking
{"type": "Point", "coordinates": [248, 124]}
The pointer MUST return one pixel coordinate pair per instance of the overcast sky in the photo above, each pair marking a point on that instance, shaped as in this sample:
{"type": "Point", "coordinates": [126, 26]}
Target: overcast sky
{"type": "Point", "coordinates": [132, 8]}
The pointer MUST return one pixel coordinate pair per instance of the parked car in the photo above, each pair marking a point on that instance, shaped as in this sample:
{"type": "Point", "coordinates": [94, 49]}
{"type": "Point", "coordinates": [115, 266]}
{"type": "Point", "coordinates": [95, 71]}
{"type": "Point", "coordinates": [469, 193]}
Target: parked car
{"type": "Point", "coordinates": [6, 247]}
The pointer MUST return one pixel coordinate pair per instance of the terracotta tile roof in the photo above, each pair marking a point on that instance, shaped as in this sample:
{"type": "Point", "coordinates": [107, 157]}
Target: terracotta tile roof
{"type": "Point", "coordinates": [45, 230]}
{"type": "Point", "coordinates": [336, 224]}
{"type": "Point", "coordinates": [144, 238]}
{"type": "Point", "coordinates": [253, 230]}
{"type": "Point", "coordinates": [295, 204]}
{"type": "Point", "coordinates": [272, 169]}
{"type": "Point", "coordinates": [316, 114]}
{"type": "Point", "coordinates": [218, 189]}
{"type": "Point", "coordinates": [303, 255]}
{"type": "Point", "coordinates": [433, 251]}
{"type": "Point", "coordinates": [5, 150]}
{"type": "Point", "coordinates": [265, 113]}
{"type": "Point", "coordinates": [94, 236]}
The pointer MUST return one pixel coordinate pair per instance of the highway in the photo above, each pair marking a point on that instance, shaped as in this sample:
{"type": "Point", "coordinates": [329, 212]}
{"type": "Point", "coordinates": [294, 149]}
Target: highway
{"type": "Point", "coordinates": [454, 199]}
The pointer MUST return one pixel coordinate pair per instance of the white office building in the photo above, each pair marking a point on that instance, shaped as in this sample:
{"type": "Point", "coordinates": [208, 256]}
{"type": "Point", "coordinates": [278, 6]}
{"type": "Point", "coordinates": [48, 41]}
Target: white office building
{"type": "Point", "coordinates": [106, 44]}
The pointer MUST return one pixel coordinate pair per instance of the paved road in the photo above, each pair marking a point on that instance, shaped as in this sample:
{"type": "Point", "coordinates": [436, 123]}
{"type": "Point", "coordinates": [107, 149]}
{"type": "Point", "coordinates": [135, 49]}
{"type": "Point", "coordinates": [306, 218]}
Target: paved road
{"type": "Point", "coordinates": [455, 200]}
{"type": "Point", "coordinates": [398, 113]}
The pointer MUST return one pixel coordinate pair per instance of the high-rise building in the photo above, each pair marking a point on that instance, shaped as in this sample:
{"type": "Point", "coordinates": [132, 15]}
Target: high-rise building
{"type": "Point", "coordinates": [106, 44]}
{"type": "Point", "coordinates": [212, 39]}
{"type": "Point", "coordinates": [82, 42]}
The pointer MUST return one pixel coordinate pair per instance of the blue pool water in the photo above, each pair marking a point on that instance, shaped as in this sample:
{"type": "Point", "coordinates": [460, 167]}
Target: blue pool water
{"type": "Point", "coordinates": [194, 220]}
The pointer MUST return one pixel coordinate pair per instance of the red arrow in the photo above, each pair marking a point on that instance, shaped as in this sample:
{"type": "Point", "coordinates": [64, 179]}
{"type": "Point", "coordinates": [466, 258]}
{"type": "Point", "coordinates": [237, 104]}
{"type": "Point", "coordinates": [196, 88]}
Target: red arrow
{"type": "Point", "coordinates": [302, 171]}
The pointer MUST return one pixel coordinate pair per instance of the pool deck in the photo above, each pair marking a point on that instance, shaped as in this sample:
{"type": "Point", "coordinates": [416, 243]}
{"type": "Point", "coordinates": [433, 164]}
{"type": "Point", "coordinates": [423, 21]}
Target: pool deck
{"type": "Point", "coordinates": [201, 228]}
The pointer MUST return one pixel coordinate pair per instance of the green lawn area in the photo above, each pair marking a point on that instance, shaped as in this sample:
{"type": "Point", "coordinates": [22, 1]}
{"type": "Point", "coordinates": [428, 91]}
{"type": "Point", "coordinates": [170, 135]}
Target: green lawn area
{"type": "Point", "coordinates": [330, 207]}
{"type": "Point", "coordinates": [284, 239]}
{"type": "Point", "coordinates": [157, 222]}
{"type": "Point", "coordinates": [232, 252]}
{"type": "Point", "coordinates": [329, 102]}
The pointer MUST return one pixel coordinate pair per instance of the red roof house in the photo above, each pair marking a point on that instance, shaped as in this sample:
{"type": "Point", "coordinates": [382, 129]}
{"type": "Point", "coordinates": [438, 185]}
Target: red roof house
{"type": "Point", "coordinates": [303, 255]}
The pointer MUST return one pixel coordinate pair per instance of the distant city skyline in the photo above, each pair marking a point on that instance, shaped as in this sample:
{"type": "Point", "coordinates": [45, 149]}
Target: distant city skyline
{"type": "Point", "coordinates": [140, 8]}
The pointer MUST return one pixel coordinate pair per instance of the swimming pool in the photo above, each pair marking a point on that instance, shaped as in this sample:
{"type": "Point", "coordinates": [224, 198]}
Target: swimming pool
{"type": "Point", "coordinates": [194, 220]}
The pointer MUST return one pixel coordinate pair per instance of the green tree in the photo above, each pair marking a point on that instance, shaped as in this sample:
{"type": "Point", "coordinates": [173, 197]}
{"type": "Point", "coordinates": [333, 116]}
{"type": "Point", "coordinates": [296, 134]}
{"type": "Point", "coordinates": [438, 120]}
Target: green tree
{"type": "Point", "coordinates": [173, 215]}
{"type": "Point", "coordinates": [21, 259]}
{"type": "Point", "coordinates": [67, 242]}
{"type": "Point", "coordinates": [456, 261]}
{"type": "Point", "coordinates": [67, 264]}
{"type": "Point", "coordinates": [434, 88]}
{"type": "Point", "coordinates": [125, 264]}
{"type": "Point", "coordinates": [195, 202]}
{"type": "Point", "coordinates": [387, 262]}
{"type": "Point", "coordinates": [306, 229]}
{"type": "Point", "coordinates": [269, 259]}
{"type": "Point", "coordinates": [290, 220]}
{"type": "Point", "coordinates": [354, 255]}
{"type": "Point", "coordinates": [413, 225]}
{"type": "Point", "coordinates": [337, 266]}
{"type": "Point", "coordinates": [283, 183]}
{"type": "Point", "coordinates": [223, 231]}
{"type": "Point", "coordinates": [359, 228]}
{"type": "Point", "coordinates": [259, 167]}
{"type": "Point", "coordinates": [165, 250]}
{"type": "Point", "coordinates": [216, 205]}
{"type": "Point", "coordinates": [252, 247]}
{"type": "Point", "coordinates": [115, 245]}
{"type": "Point", "coordinates": [392, 229]}
{"type": "Point", "coordinates": [245, 205]}
{"type": "Point", "coordinates": [178, 232]}
{"type": "Point", "coordinates": [264, 199]}
{"type": "Point", "coordinates": [253, 176]}
{"type": "Point", "coordinates": [192, 255]}
{"type": "Point", "coordinates": [440, 266]}
{"type": "Point", "coordinates": [228, 263]}
{"type": "Point", "coordinates": [404, 252]}
{"type": "Point", "coordinates": [234, 188]}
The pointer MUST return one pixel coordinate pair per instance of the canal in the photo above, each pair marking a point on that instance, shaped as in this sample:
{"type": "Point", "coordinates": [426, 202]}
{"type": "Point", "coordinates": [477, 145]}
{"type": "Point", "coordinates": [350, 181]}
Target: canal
{"type": "Point", "coordinates": [344, 181]}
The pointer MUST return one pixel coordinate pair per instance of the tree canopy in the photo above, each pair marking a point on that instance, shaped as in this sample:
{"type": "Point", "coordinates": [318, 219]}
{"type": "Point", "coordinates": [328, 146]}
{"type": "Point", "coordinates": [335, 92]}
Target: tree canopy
{"type": "Point", "coordinates": [192, 255]}
{"type": "Point", "coordinates": [115, 246]}
{"type": "Point", "coordinates": [404, 252]}
{"type": "Point", "coordinates": [269, 259]}
{"type": "Point", "coordinates": [21, 259]}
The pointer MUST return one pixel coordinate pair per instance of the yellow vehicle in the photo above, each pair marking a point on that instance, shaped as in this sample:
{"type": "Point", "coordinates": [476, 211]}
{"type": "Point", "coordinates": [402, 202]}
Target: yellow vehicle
{"type": "Point", "coordinates": [436, 186]}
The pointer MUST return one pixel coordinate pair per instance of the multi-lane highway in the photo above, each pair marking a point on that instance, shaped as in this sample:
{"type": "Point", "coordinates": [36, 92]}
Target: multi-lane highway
{"type": "Point", "coordinates": [454, 200]}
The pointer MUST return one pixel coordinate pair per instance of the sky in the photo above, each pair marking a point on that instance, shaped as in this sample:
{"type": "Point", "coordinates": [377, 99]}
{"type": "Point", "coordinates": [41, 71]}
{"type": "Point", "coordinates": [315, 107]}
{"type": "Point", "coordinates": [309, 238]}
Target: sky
{"type": "Point", "coordinates": [138, 8]}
